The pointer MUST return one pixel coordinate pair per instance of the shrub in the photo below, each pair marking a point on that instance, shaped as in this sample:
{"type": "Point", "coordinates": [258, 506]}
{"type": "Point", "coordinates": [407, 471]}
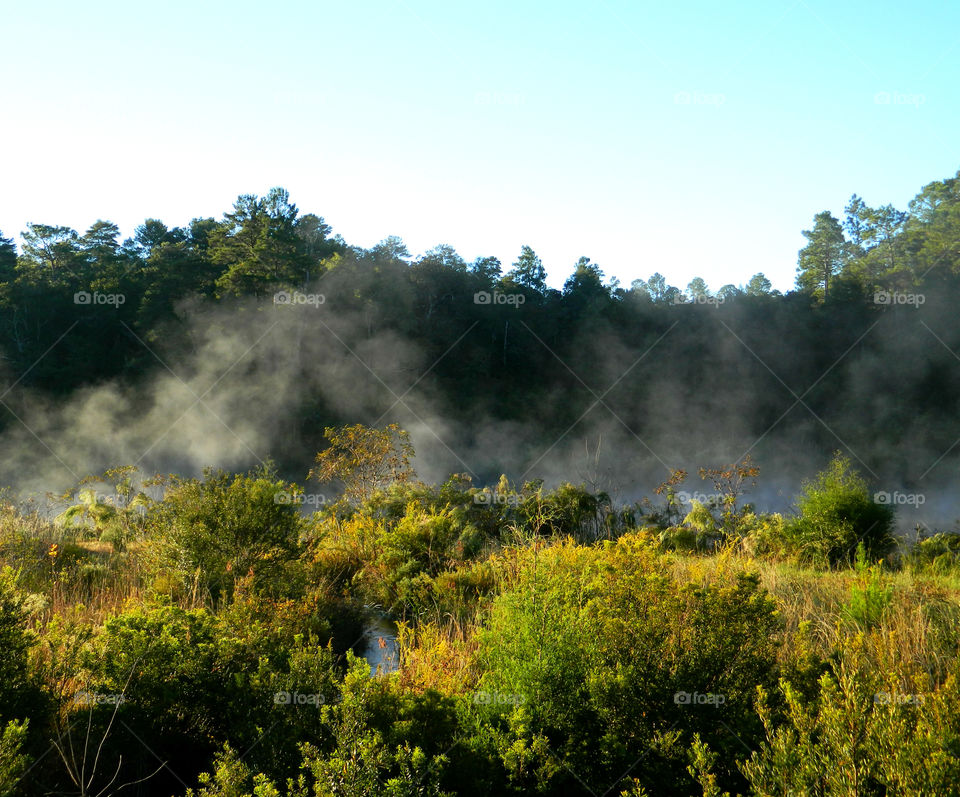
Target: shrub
{"type": "Point", "coordinates": [383, 741]}
{"type": "Point", "coordinates": [116, 518]}
{"type": "Point", "coordinates": [699, 532]}
{"type": "Point", "coordinates": [765, 535]}
{"type": "Point", "coordinates": [592, 654]}
{"type": "Point", "coordinates": [836, 514]}
{"type": "Point", "coordinates": [214, 531]}
{"type": "Point", "coordinates": [866, 732]}
{"type": "Point", "coordinates": [394, 563]}
{"type": "Point", "coordinates": [192, 681]}
{"type": "Point", "coordinates": [940, 552]}
{"type": "Point", "coordinates": [869, 597]}
{"type": "Point", "coordinates": [13, 760]}
{"type": "Point", "coordinates": [569, 510]}
{"type": "Point", "coordinates": [374, 740]}
{"type": "Point", "coordinates": [15, 643]}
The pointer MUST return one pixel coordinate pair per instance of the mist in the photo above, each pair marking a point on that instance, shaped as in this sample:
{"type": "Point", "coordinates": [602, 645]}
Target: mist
{"type": "Point", "coordinates": [239, 382]}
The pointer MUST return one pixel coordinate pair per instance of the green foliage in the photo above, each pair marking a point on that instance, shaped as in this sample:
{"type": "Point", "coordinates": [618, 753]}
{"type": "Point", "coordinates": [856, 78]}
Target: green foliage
{"type": "Point", "coordinates": [730, 482]}
{"type": "Point", "coordinates": [765, 535]}
{"type": "Point", "coordinates": [230, 777]}
{"type": "Point", "coordinates": [498, 369]}
{"type": "Point", "coordinates": [869, 596]}
{"type": "Point", "coordinates": [191, 680]}
{"type": "Point", "coordinates": [15, 643]}
{"type": "Point", "coordinates": [422, 544]}
{"type": "Point", "coordinates": [13, 760]}
{"type": "Point", "coordinates": [116, 517]}
{"type": "Point", "coordinates": [867, 732]}
{"type": "Point", "coordinates": [527, 272]}
{"type": "Point", "coordinates": [587, 653]}
{"type": "Point", "coordinates": [210, 532]}
{"type": "Point", "coordinates": [702, 762]}
{"type": "Point", "coordinates": [939, 552]}
{"type": "Point", "coordinates": [259, 246]}
{"type": "Point", "coordinates": [529, 661]}
{"type": "Point", "coordinates": [568, 510]}
{"type": "Point", "coordinates": [823, 257]}
{"type": "Point", "coordinates": [759, 285]}
{"type": "Point", "coordinates": [659, 291]}
{"type": "Point", "coordinates": [701, 531]}
{"type": "Point", "coordinates": [836, 515]}
{"type": "Point", "coordinates": [365, 460]}
{"type": "Point", "coordinates": [382, 741]}
{"type": "Point", "coordinates": [582, 646]}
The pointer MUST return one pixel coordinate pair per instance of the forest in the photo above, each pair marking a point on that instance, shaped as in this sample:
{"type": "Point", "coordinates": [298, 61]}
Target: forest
{"type": "Point", "coordinates": [287, 516]}
{"type": "Point", "coordinates": [171, 338]}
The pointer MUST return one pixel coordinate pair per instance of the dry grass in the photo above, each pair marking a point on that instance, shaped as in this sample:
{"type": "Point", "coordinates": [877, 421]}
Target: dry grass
{"type": "Point", "coordinates": [438, 656]}
{"type": "Point", "coordinates": [918, 631]}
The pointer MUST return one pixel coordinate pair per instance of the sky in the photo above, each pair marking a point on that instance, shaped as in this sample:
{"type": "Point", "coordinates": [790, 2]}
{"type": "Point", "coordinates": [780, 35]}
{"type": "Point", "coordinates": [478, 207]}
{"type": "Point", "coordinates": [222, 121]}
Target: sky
{"type": "Point", "coordinates": [688, 138]}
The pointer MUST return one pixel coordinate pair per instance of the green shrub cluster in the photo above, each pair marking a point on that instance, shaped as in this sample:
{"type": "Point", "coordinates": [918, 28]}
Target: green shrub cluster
{"type": "Point", "coordinates": [549, 644]}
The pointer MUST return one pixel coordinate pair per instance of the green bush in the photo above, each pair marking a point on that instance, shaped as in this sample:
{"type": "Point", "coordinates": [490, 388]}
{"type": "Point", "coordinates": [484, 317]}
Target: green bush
{"type": "Point", "coordinates": [765, 535]}
{"type": "Point", "coordinates": [210, 532]}
{"type": "Point", "coordinates": [16, 688]}
{"type": "Point", "coordinates": [191, 681]}
{"type": "Point", "coordinates": [13, 760]}
{"type": "Point", "coordinates": [940, 552]}
{"type": "Point", "coordinates": [836, 513]}
{"type": "Point", "coordinates": [589, 659]}
{"type": "Point", "coordinates": [382, 741]}
{"type": "Point", "coordinates": [422, 545]}
{"type": "Point", "coordinates": [374, 740]}
{"type": "Point", "coordinates": [866, 732]}
{"type": "Point", "coordinates": [699, 532]}
{"type": "Point", "coordinates": [393, 562]}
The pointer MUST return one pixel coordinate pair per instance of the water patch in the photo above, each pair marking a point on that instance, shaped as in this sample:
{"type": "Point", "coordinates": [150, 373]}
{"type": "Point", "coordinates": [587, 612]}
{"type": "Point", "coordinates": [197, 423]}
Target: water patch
{"type": "Point", "coordinates": [379, 645]}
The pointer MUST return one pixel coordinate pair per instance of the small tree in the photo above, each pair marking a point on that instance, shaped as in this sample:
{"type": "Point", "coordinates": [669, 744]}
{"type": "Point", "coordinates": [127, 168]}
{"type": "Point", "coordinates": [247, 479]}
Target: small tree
{"type": "Point", "coordinates": [672, 512]}
{"type": "Point", "coordinates": [115, 517]}
{"type": "Point", "coordinates": [730, 482]}
{"type": "Point", "coordinates": [365, 460]}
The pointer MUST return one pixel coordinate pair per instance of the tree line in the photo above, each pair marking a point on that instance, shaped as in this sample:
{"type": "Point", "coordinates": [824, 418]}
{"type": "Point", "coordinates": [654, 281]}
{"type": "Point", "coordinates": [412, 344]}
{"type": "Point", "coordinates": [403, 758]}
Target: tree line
{"type": "Point", "coordinates": [78, 309]}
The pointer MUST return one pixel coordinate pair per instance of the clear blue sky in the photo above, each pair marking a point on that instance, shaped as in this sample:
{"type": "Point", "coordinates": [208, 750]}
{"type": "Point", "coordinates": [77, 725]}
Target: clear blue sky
{"type": "Point", "coordinates": [690, 138]}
